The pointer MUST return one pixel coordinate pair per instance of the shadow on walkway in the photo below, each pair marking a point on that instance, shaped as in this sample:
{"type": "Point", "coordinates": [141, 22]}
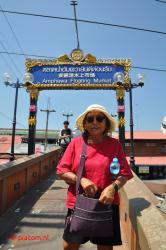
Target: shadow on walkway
{"type": "Point", "coordinates": [36, 221]}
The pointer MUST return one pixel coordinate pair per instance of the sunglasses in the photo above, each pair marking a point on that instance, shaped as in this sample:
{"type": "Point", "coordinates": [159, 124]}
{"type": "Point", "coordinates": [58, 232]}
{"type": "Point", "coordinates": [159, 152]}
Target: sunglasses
{"type": "Point", "coordinates": [98, 118]}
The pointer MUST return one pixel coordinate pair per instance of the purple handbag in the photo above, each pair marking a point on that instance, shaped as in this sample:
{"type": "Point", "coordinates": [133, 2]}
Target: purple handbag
{"type": "Point", "coordinates": [90, 217]}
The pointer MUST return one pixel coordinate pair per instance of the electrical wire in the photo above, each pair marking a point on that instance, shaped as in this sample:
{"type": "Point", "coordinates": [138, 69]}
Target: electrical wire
{"type": "Point", "coordinates": [18, 44]}
{"type": "Point", "coordinates": [152, 69]}
{"type": "Point", "coordinates": [9, 118]}
{"type": "Point", "coordinates": [86, 21]}
{"type": "Point", "coordinates": [20, 54]}
{"type": "Point", "coordinates": [70, 19]}
{"type": "Point", "coordinates": [11, 59]}
{"type": "Point", "coordinates": [14, 34]}
{"type": "Point", "coordinates": [6, 62]}
{"type": "Point", "coordinates": [93, 22]}
{"type": "Point", "coordinates": [38, 56]}
{"type": "Point", "coordinates": [160, 1]}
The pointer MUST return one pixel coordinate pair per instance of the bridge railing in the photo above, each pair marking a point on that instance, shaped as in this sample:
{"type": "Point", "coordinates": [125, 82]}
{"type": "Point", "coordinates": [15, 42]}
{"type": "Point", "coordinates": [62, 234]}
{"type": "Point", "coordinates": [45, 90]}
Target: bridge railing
{"type": "Point", "coordinates": [18, 176]}
{"type": "Point", "coordinates": [143, 223]}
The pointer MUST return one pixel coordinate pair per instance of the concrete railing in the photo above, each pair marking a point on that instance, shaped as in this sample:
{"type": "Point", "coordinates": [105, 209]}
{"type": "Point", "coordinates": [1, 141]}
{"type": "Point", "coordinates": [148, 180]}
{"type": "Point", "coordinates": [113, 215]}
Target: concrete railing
{"type": "Point", "coordinates": [144, 224]}
{"type": "Point", "coordinates": [18, 176]}
{"type": "Point", "coordinates": [156, 186]}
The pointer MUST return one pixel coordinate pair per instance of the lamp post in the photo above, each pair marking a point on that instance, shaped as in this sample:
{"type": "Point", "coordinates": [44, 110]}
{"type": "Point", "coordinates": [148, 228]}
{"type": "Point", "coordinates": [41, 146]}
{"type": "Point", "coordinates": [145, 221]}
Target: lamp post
{"type": "Point", "coordinates": [33, 94]}
{"type": "Point", "coordinates": [119, 78]}
{"type": "Point", "coordinates": [132, 86]}
{"type": "Point", "coordinates": [67, 115]}
{"type": "Point", "coordinates": [163, 125]}
{"type": "Point", "coordinates": [17, 85]}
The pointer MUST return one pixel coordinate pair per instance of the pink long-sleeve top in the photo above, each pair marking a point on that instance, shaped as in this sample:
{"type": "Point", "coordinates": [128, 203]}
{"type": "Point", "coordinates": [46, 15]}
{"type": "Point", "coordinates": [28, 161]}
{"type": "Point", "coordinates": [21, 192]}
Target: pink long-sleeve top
{"type": "Point", "coordinates": [98, 159]}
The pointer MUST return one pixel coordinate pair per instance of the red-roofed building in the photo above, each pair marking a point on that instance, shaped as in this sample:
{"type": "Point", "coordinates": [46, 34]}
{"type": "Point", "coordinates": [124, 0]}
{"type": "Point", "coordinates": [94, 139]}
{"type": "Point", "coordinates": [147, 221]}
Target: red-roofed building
{"type": "Point", "coordinates": [5, 145]}
{"type": "Point", "coordinates": [150, 153]}
{"type": "Point", "coordinates": [147, 135]}
{"type": "Point", "coordinates": [5, 142]}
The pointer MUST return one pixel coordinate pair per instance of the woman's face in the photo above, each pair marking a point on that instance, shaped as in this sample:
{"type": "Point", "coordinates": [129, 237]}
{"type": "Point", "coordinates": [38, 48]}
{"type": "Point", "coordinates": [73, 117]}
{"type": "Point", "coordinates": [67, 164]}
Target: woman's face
{"type": "Point", "coordinates": [95, 123]}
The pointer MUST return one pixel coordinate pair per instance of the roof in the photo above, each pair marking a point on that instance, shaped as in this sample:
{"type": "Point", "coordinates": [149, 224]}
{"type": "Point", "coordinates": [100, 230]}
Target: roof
{"type": "Point", "coordinates": [42, 137]}
{"type": "Point", "coordinates": [144, 135]}
{"type": "Point", "coordinates": [3, 161]}
{"type": "Point", "coordinates": [53, 133]}
{"type": "Point", "coordinates": [8, 131]}
{"type": "Point", "coordinates": [148, 160]}
{"type": "Point", "coordinates": [5, 142]}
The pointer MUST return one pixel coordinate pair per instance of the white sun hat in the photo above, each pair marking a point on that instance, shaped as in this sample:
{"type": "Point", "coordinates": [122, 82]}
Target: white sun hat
{"type": "Point", "coordinates": [163, 125]}
{"type": "Point", "coordinates": [95, 107]}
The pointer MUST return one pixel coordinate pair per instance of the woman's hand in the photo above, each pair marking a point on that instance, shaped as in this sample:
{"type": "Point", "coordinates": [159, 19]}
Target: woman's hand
{"type": "Point", "coordinates": [107, 195]}
{"type": "Point", "coordinates": [89, 187]}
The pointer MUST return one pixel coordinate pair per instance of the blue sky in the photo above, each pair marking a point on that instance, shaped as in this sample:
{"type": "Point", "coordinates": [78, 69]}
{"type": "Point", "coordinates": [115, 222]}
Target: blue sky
{"type": "Point", "coordinates": [54, 37]}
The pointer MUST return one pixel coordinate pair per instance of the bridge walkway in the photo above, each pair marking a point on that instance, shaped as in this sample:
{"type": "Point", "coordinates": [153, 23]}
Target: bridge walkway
{"type": "Point", "coordinates": [40, 212]}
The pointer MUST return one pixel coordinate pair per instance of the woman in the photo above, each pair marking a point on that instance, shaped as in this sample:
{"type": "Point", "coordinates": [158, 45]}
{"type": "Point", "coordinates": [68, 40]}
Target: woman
{"type": "Point", "coordinates": [95, 123]}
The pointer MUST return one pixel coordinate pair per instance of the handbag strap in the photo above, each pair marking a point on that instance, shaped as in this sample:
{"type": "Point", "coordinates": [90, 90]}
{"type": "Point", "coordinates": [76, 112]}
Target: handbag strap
{"type": "Point", "coordinates": [81, 167]}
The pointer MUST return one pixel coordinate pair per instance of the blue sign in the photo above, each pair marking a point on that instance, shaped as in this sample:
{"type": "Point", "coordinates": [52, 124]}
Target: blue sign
{"type": "Point", "coordinates": [75, 74]}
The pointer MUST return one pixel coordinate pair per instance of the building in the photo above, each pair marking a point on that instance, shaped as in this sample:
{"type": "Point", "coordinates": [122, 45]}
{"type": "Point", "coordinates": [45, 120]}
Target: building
{"type": "Point", "coordinates": [150, 153]}
{"type": "Point", "coordinates": [149, 147]}
{"type": "Point", "coordinates": [21, 139]}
